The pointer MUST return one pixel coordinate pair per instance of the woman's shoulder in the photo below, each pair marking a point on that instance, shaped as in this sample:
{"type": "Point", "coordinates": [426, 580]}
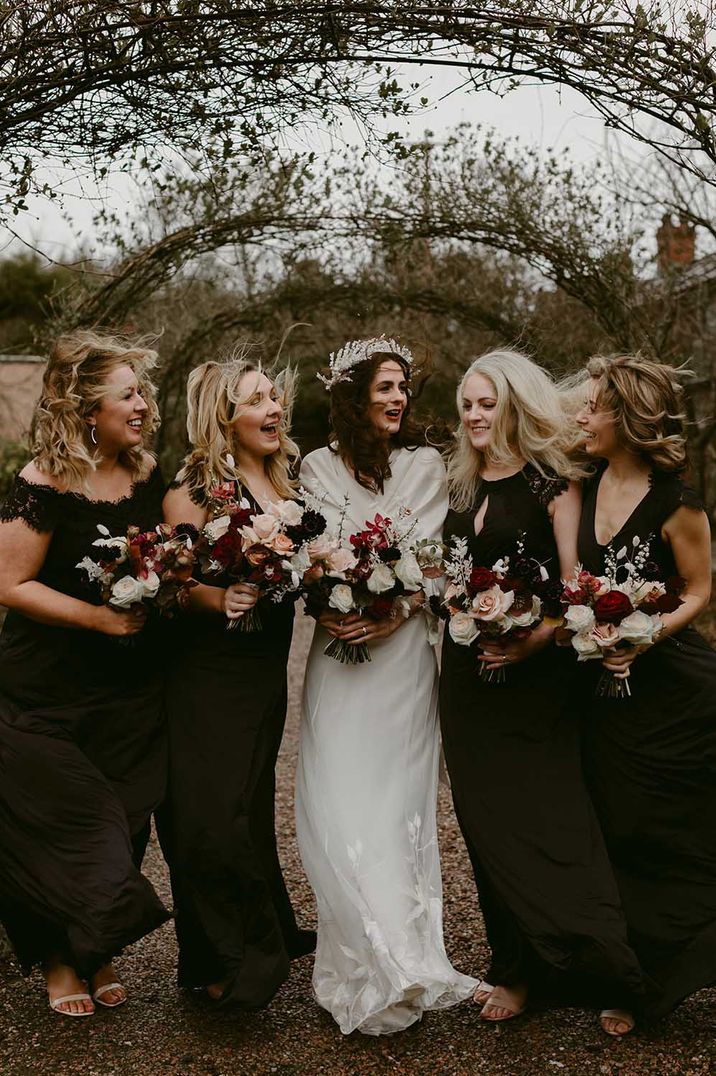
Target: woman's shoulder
{"type": "Point", "coordinates": [544, 482]}
{"type": "Point", "coordinates": [423, 457]}
{"type": "Point", "coordinates": [34, 497]}
{"type": "Point", "coordinates": [672, 490]}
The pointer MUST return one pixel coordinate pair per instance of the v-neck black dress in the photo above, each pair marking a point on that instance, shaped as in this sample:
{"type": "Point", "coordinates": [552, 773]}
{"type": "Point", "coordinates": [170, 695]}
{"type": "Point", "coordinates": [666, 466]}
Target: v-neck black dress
{"type": "Point", "coordinates": [82, 750]}
{"type": "Point", "coordinates": [226, 702]}
{"type": "Point", "coordinates": [546, 889]}
{"type": "Point", "coordinates": [651, 765]}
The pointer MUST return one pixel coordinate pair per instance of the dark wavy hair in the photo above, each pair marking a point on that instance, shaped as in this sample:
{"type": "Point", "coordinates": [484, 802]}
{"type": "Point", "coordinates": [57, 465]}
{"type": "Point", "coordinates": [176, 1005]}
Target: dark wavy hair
{"type": "Point", "coordinates": [354, 437]}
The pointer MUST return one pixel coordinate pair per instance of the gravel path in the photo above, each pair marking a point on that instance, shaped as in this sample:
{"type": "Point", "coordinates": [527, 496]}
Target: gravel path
{"type": "Point", "coordinates": [164, 1032]}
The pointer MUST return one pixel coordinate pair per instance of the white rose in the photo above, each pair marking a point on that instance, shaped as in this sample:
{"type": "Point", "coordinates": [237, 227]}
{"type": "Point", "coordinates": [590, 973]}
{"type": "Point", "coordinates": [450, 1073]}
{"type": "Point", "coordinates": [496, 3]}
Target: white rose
{"type": "Point", "coordinates": [637, 629]}
{"type": "Point", "coordinates": [586, 647]}
{"type": "Point", "coordinates": [126, 591]}
{"type": "Point", "coordinates": [341, 598]}
{"type": "Point", "coordinates": [462, 628]}
{"type": "Point", "coordinates": [301, 561]}
{"type": "Point", "coordinates": [380, 579]}
{"type": "Point", "coordinates": [409, 571]}
{"type": "Point", "coordinates": [579, 618]}
{"type": "Point", "coordinates": [217, 528]}
{"type": "Point", "coordinates": [524, 620]}
{"type": "Point", "coordinates": [150, 584]}
{"type": "Point", "coordinates": [289, 512]}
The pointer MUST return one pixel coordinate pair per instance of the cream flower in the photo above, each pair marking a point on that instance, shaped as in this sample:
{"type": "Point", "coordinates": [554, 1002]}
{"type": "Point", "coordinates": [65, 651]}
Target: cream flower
{"type": "Point", "coordinates": [217, 528]}
{"type": "Point", "coordinates": [586, 647]}
{"type": "Point", "coordinates": [380, 579]}
{"type": "Point", "coordinates": [462, 628]}
{"type": "Point", "coordinates": [637, 629]}
{"type": "Point", "coordinates": [409, 571]}
{"type": "Point", "coordinates": [341, 598]}
{"type": "Point", "coordinates": [492, 604]}
{"type": "Point", "coordinates": [127, 591]}
{"type": "Point", "coordinates": [150, 584]}
{"type": "Point", "coordinates": [579, 618]}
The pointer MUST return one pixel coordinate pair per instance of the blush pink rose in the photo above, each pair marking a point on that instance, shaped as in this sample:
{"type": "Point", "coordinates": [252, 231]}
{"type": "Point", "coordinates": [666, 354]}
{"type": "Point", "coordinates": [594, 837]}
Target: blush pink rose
{"type": "Point", "coordinates": [491, 604]}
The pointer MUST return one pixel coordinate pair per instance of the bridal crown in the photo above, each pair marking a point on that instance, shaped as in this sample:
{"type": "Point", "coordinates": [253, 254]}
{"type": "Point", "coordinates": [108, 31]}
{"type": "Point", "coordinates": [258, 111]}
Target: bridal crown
{"type": "Point", "coordinates": [341, 362]}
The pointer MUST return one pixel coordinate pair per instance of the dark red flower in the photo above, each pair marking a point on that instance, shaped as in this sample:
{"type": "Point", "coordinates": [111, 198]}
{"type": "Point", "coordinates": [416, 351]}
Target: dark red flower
{"type": "Point", "coordinates": [612, 607]}
{"type": "Point", "coordinates": [674, 584]}
{"type": "Point", "coordinates": [481, 579]}
{"type": "Point", "coordinates": [380, 607]}
{"type": "Point", "coordinates": [668, 603]}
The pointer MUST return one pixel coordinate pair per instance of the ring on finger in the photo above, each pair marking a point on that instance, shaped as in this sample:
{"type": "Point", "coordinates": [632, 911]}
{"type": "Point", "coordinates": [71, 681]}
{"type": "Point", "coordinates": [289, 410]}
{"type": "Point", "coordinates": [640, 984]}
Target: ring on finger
{"type": "Point", "coordinates": [365, 631]}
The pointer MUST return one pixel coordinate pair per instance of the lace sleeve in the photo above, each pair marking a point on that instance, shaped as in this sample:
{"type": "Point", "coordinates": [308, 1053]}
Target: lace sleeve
{"type": "Point", "coordinates": [38, 506]}
{"type": "Point", "coordinates": [675, 491]}
{"type": "Point", "coordinates": [545, 486]}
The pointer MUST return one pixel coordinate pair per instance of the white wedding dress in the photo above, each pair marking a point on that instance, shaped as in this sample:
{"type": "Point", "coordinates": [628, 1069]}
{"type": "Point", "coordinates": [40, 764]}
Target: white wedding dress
{"type": "Point", "coordinates": [367, 786]}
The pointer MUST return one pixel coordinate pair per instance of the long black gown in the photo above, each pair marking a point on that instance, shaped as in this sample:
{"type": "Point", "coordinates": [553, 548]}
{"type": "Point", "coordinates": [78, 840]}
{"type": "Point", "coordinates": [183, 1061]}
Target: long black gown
{"type": "Point", "coordinates": [547, 892]}
{"type": "Point", "coordinates": [651, 765]}
{"type": "Point", "coordinates": [82, 751]}
{"type": "Point", "coordinates": [226, 702]}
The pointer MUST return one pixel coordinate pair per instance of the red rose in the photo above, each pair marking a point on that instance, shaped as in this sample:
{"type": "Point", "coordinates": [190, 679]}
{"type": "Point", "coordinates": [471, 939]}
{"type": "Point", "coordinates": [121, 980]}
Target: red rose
{"type": "Point", "coordinates": [481, 579]}
{"type": "Point", "coordinates": [227, 550]}
{"type": "Point", "coordinates": [612, 607]}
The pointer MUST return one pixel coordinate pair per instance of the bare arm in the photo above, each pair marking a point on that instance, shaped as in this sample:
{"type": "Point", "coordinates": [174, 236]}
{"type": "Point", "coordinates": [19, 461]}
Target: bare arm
{"type": "Point", "coordinates": [232, 601]}
{"type": "Point", "coordinates": [565, 511]}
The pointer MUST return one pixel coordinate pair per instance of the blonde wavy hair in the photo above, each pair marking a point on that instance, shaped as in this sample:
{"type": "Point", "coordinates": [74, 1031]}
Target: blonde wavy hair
{"type": "Point", "coordinates": [73, 387]}
{"type": "Point", "coordinates": [528, 423]}
{"type": "Point", "coordinates": [646, 399]}
{"type": "Point", "coordinates": [214, 402]}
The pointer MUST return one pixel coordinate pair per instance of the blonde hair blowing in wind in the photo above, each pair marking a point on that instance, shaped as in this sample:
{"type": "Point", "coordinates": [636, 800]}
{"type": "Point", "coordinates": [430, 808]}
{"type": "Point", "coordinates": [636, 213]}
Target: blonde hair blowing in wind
{"type": "Point", "coordinates": [214, 402]}
{"type": "Point", "coordinates": [73, 387]}
{"type": "Point", "coordinates": [529, 423]}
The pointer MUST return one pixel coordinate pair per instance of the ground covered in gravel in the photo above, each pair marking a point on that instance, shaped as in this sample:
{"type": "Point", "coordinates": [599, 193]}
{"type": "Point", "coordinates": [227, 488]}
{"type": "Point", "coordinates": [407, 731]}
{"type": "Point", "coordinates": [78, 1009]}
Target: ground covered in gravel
{"type": "Point", "coordinates": [165, 1032]}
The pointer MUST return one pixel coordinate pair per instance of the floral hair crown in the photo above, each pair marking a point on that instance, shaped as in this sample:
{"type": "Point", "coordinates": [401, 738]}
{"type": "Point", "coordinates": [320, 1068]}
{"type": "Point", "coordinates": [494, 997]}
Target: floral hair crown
{"type": "Point", "coordinates": [341, 362]}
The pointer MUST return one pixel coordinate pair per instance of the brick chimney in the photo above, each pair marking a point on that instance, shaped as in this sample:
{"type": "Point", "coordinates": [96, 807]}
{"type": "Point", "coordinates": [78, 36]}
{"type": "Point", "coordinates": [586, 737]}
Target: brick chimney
{"type": "Point", "coordinates": [676, 244]}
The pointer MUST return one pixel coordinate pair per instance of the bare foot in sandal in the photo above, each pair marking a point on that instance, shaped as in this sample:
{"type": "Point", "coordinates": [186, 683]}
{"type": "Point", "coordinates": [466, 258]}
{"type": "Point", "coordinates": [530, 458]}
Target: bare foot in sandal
{"type": "Point", "coordinates": [505, 1002]}
{"type": "Point", "coordinates": [106, 990]}
{"type": "Point", "coordinates": [67, 993]}
{"type": "Point", "coordinates": [616, 1022]}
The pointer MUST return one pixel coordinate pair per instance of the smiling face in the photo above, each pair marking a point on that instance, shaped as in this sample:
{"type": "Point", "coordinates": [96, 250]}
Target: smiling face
{"type": "Point", "coordinates": [597, 424]}
{"type": "Point", "coordinates": [119, 419]}
{"type": "Point", "coordinates": [478, 404]}
{"type": "Point", "coordinates": [388, 397]}
{"type": "Point", "coordinates": [256, 426]}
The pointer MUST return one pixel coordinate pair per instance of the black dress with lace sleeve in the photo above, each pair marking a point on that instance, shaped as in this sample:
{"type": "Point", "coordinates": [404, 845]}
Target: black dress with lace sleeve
{"type": "Point", "coordinates": [82, 748]}
{"type": "Point", "coordinates": [651, 764]}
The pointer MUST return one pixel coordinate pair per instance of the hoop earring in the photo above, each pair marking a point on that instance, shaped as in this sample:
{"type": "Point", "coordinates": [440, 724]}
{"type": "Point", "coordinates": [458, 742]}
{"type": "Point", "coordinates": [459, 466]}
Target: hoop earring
{"type": "Point", "coordinates": [93, 434]}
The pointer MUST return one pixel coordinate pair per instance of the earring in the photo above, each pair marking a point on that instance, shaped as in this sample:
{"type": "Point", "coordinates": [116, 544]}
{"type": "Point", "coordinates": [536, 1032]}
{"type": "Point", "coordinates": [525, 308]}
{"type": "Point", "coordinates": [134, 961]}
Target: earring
{"type": "Point", "coordinates": [93, 434]}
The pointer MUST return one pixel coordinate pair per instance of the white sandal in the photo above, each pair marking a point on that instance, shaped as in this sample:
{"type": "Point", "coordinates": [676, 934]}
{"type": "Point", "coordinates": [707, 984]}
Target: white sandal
{"type": "Point", "coordinates": [55, 1005]}
{"type": "Point", "coordinates": [98, 994]}
{"type": "Point", "coordinates": [621, 1016]}
{"type": "Point", "coordinates": [484, 989]}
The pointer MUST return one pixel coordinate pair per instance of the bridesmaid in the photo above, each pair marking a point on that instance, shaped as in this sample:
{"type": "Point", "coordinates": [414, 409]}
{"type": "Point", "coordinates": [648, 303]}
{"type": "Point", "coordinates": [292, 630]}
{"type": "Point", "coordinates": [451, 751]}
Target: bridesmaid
{"type": "Point", "coordinates": [651, 758]}
{"type": "Point", "coordinates": [227, 707]}
{"type": "Point", "coordinates": [548, 896]}
{"type": "Point", "coordinates": [82, 749]}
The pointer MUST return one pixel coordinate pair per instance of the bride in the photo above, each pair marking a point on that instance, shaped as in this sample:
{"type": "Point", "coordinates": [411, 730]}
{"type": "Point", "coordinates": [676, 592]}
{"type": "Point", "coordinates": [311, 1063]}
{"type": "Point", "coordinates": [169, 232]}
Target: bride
{"type": "Point", "coordinates": [368, 763]}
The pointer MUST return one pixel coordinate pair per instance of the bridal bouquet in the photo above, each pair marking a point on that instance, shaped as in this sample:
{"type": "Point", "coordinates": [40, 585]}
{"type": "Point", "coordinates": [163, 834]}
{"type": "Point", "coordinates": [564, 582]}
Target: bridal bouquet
{"type": "Point", "coordinates": [144, 566]}
{"type": "Point", "coordinates": [506, 601]}
{"type": "Point", "coordinates": [371, 576]}
{"type": "Point", "coordinates": [259, 548]}
{"type": "Point", "coordinates": [623, 606]}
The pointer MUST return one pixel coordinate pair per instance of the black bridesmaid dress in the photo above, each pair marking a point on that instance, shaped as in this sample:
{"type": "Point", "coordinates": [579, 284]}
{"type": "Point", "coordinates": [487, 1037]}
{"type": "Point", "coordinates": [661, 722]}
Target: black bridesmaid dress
{"type": "Point", "coordinates": [82, 751]}
{"type": "Point", "coordinates": [651, 766]}
{"type": "Point", "coordinates": [227, 696]}
{"type": "Point", "coordinates": [546, 889]}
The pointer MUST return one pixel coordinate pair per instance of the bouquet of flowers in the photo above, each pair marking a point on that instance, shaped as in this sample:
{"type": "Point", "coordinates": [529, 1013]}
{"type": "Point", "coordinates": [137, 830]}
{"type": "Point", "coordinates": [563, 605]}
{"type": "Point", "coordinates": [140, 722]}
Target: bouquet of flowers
{"type": "Point", "coordinates": [259, 548]}
{"type": "Point", "coordinates": [151, 566]}
{"type": "Point", "coordinates": [370, 576]}
{"type": "Point", "coordinates": [506, 601]}
{"type": "Point", "coordinates": [623, 606]}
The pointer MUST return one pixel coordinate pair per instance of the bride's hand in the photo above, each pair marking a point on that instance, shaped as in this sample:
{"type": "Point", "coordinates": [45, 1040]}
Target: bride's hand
{"type": "Point", "coordinates": [362, 629]}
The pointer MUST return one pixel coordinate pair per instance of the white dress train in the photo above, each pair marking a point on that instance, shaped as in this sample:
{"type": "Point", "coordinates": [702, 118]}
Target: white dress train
{"type": "Point", "coordinates": [367, 786]}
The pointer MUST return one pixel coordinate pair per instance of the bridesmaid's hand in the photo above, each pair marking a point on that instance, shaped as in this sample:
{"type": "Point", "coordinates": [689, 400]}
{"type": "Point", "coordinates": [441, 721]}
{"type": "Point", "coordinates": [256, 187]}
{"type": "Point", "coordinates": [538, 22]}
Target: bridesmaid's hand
{"type": "Point", "coordinates": [619, 661]}
{"type": "Point", "coordinates": [119, 621]}
{"type": "Point", "coordinates": [496, 655]}
{"type": "Point", "coordinates": [239, 598]}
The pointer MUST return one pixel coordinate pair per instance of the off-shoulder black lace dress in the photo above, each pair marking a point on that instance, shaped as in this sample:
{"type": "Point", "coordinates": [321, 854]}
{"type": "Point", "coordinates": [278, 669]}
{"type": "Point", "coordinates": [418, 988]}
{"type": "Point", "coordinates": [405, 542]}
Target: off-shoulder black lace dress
{"type": "Point", "coordinates": [82, 751]}
{"type": "Point", "coordinates": [546, 889]}
{"type": "Point", "coordinates": [651, 764]}
{"type": "Point", "coordinates": [226, 703]}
